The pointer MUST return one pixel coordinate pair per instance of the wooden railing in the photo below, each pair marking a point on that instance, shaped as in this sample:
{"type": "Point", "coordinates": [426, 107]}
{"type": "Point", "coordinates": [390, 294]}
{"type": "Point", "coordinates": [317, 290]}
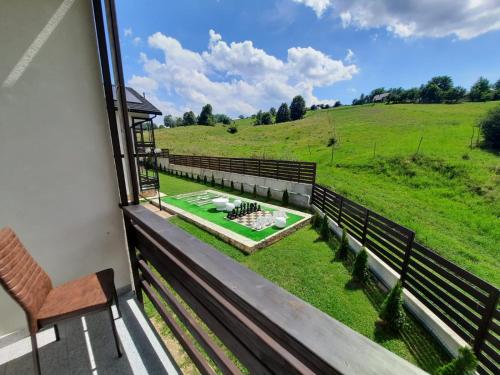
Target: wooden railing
{"type": "Point", "coordinates": [263, 328]}
{"type": "Point", "coordinates": [464, 302]}
{"type": "Point", "coordinates": [296, 171]}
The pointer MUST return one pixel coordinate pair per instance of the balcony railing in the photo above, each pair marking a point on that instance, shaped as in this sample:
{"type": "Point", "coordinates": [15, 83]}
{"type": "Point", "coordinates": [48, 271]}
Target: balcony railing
{"type": "Point", "coordinates": [267, 329]}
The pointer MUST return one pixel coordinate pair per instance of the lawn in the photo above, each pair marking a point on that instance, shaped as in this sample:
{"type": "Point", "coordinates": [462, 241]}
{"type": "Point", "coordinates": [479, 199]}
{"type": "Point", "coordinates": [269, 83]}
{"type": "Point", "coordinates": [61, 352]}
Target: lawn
{"type": "Point", "coordinates": [302, 264]}
{"type": "Point", "coordinates": [448, 193]}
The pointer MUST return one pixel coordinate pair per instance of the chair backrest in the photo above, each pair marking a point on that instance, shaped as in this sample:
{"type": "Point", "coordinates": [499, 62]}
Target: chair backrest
{"type": "Point", "coordinates": [22, 277]}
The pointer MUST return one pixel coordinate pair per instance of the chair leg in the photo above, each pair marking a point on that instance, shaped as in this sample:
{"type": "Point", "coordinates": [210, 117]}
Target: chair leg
{"type": "Point", "coordinates": [36, 358]}
{"type": "Point", "coordinates": [56, 332]}
{"type": "Point", "coordinates": [117, 304]}
{"type": "Point", "coordinates": [115, 333]}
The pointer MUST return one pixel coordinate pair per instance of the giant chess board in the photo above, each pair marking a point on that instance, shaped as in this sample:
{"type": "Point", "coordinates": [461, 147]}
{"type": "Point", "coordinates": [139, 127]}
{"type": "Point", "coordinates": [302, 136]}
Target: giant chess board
{"type": "Point", "coordinates": [249, 219]}
{"type": "Point", "coordinates": [198, 198]}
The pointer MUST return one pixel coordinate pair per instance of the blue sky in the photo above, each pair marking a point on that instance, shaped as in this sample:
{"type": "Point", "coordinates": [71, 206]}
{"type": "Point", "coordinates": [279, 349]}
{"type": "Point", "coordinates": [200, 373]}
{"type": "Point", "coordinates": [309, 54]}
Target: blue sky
{"type": "Point", "coordinates": [242, 56]}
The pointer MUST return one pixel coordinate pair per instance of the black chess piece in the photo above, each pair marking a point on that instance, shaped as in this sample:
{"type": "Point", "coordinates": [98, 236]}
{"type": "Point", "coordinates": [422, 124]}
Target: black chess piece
{"type": "Point", "coordinates": [258, 208]}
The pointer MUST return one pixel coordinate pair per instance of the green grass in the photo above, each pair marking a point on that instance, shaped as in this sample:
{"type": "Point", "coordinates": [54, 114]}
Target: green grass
{"type": "Point", "coordinates": [302, 264]}
{"type": "Point", "coordinates": [210, 213]}
{"type": "Point", "coordinates": [449, 194]}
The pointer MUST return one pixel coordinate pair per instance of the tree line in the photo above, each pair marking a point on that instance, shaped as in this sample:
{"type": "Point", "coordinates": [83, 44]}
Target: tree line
{"type": "Point", "coordinates": [296, 111]}
{"type": "Point", "coordinates": [206, 117]}
{"type": "Point", "coordinates": [439, 89]}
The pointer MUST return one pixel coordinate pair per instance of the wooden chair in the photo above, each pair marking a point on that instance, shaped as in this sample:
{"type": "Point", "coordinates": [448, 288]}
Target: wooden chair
{"type": "Point", "coordinates": [30, 286]}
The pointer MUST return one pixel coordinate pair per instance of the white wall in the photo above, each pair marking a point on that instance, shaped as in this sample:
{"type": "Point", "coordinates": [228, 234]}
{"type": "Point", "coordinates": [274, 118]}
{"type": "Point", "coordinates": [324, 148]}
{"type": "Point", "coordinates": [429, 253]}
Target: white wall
{"type": "Point", "coordinates": [58, 186]}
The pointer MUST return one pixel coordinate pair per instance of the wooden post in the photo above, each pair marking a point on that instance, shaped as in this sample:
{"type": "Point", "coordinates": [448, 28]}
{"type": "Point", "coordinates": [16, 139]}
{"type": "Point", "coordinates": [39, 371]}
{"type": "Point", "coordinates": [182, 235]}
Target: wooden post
{"type": "Point", "coordinates": [365, 226]}
{"type": "Point", "coordinates": [339, 218]}
{"type": "Point", "coordinates": [134, 262]}
{"type": "Point", "coordinates": [484, 324]}
{"type": "Point", "coordinates": [406, 260]}
{"type": "Point", "coordinates": [323, 201]}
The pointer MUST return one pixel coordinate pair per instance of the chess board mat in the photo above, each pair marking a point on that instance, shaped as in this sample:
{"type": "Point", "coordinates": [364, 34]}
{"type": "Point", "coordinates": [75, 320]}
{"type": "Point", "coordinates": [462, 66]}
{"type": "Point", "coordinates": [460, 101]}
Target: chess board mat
{"type": "Point", "coordinates": [198, 198]}
{"type": "Point", "coordinates": [250, 218]}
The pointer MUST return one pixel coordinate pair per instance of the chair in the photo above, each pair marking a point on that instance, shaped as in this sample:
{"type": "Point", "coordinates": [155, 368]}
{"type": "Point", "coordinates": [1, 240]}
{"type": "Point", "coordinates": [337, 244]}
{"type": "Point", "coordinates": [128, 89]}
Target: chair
{"type": "Point", "coordinates": [31, 287]}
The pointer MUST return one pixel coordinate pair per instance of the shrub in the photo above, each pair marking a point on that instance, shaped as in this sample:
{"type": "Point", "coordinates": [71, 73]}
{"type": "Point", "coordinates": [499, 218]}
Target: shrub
{"type": "Point", "coordinates": [344, 246]}
{"type": "Point", "coordinates": [232, 129]}
{"type": "Point", "coordinates": [284, 199]}
{"type": "Point", "coordinates": [232, 186]}
{"type": "Point", "coordinates": [268, 194]}
{"type": "Point", "coordinates": [205, 180]}
{"type": "Point", "coordinates": [242, 190]}
{"type": "Point", "coordinates": [198, 178]}
{"type": "Point", "coordinates": [255, 190]}
{"type": "Point", "coordinates": [212, 181]}
{"type": "Point", "coordinates": [392, 309]}
{"type": "Point", "coordinates": [490, 127]}
{"type": "Point", "coordinates": [325, 229]}
{"type": "Point", "coordinates": [464, 364]}
{"type": "Point", "coordinates": [360, 269]}
{"type": "Point", "coordinates": [316, 220]}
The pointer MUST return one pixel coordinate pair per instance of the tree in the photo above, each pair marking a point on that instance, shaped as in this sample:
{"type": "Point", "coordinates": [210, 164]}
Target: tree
{"type": "Point", "coordinates": [222, 118]}
{"type": "Point", "coordinates": [464, 364]}
{"type": "Point", "coordinates": [343, 249]}
{"type": "Point", "coordinates": [258, 118]}
{"type": "Point", "coordinates": [496, 86]}
{"type": "Point", "coordinates": [272, 111]}
{"type": "Point", "coordinates": [445, 83]}
{"type": "Point", "coordinates": [314, 107]}
{"type": "Point", "coordinates": [266, 119]}
{"type": "Point", "coordinates": [168, 121]}
{"type": "Point", "coordinates": [283, 114]}
{"type": "Point", "coordinates": [360, 269]}
{"type": "Point", "coordinates": [337, 104]}
{"type": "Point", "coordinates": [178, 122]}
{"type": "Point", "coordinates": [392, 311]}
{"type": "Point", "coordinates": [490, 128]}
{"type": "Point", "coordinates": [480, 91]}
{"type": "Point", "coordinates": [431, 93]}
{"type": "Point", "coordinates": [454, 94]}
{"type": "Point", "coordinates": [297, 108]}
{"type": "Point", "coordinates": [284, 198]}
{"type": "Point", "coordinates": [206, 117]}
{"type": "Point", "coordinates": [189, 118]}
{"type": "Point", "coordinates": [325, 229]}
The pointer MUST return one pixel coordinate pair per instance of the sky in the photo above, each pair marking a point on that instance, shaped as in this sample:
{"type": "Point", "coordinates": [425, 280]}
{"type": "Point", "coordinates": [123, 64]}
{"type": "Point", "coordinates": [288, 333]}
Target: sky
{"type": "Point", "coordinates": [242, 56]}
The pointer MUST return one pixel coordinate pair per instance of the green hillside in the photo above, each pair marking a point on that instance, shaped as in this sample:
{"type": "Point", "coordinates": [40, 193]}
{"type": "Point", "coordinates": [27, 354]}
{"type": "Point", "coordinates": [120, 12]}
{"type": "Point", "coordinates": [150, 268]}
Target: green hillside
{"type": "Point", "coordinates": [449, 194]}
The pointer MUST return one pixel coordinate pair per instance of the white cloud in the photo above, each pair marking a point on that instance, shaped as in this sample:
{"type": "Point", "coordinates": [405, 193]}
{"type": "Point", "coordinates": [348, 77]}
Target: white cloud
{"type": "Point", "coordinates": [136, 41]}
{"type": "Point", "coordinates": [319, 6]}
{"type": "Point", "coordinates": [236, 78]}
{"type": "Point", "coordinates": [464, 19]}
{"type": "Point", "coordinates": [127, 31]}
{"type": "Point", "coordinates": [349, 57]}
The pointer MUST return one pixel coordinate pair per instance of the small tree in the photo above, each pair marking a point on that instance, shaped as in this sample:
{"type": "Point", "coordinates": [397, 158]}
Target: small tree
{"type": "Point", "coordinates": [198, 178]}
{"type": "Point", "coordinates": [480, 91]}
{"type": "Point", "coordinates": [315, 220]}
{"type": "Point", "coordinates": [212, 181]}
{"type": "Point", "coordinates": [189, 118]}
{"type": "Point", "coordinates": [344, 246]}
{"type": "Point", "coordinates": [268, 194]}
{"type": "Point", "coordinates": [325, 229]}
{"type": "Point", "coordinates": [206, 117]}
{"type": "Point", "coordinates": [490, 127]}
{"type": "Point", "coordinates": [360, 269]}
{"type": "Point", "coordinates": [283, 114]}
{"type": "Point", "coordinates": [205, 180]}
{"type": "Point", "coordinates": [242, 190]}
{"type": "Point", "coordinates": [232, 186]}
{"type": "Point", "coordinates": [267, 119]}
{"type": "Point", "coordinates": [392, 311]}
{"type": "Point", "coordinates": [255, 190]}
{"type": "Point", "coordinates": [272, 111]}
{"type": "Point", "coordinates": [464, 364]}
{"type": "Point", "coordinates": [284, 198]}
{"type": "Point", "coordinates": [297, 108]}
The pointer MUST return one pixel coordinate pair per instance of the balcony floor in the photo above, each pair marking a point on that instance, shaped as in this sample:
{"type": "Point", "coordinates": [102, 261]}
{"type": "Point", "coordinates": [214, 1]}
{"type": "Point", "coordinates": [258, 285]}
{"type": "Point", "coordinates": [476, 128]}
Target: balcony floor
{"type": "Point", "coordinates": [87, 347]}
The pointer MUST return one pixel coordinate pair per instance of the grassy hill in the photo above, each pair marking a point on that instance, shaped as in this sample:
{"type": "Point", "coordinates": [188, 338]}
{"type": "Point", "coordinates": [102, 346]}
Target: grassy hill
{"type": "Point", "coordinates": [449, 193]}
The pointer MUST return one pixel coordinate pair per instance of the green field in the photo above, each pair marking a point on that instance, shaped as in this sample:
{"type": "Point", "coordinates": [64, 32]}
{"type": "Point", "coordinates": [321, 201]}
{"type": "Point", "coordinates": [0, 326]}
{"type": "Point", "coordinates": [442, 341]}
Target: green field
{"type": "Point", "coordinates": [210, 213]}
{"type": "Point", "coordinates": [303, 265]}
{"type": "Point", "coordinates": [448, 193]}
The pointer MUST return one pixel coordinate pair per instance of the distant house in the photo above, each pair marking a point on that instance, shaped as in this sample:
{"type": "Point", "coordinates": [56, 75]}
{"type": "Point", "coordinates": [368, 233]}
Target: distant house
{"type": "Point", "coordinates": [381, 97]}
{"type": "Point", "coordinates": [138, 105]}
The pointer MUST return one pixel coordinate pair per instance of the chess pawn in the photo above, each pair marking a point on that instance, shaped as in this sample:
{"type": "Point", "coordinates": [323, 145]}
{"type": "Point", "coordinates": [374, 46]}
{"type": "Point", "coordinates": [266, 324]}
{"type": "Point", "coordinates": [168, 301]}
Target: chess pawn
{"type": "Point", "coordinates": [258, 207]}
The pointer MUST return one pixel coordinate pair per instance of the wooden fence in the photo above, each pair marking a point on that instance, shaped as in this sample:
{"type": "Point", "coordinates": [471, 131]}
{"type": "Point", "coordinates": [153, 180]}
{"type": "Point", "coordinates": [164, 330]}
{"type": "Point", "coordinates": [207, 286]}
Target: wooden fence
{"type": "Point", "coordinates": [296, 171]}
{"type": "Point", "coordinates": [464, 302]}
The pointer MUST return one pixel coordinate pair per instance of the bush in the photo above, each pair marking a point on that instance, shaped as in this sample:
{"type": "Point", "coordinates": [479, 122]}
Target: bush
{"type": "Point", "coordinates": [255, 191]}
{"type": "Point", "coordinates": [360, 269]}
{"type": "Point", "coordinates": [392, 309]}
{"type": "Point", "coordinates": [242, 190]}
{"type": "Point", "coordinates": [490, 127]}
{"type": "Point", "coordinates": [284, 199]}
{"type": "Point", "coordinates": [198, 178]}
{"type": "Point", "coordinates": [315, 220]}
{"type": "Point", "coordinates": [343, 247]}
{"type": "Point", "coordinates": [205, 180]}
{"type": "Point", "coordinates": [212, 181]}
{"type": "Point", "coordinates": [268, 194]}
{"type": "Point", "coordinates": [464, 364]}
{"type": "Point", "coordinates": [232, 129]}
{"type": "Point", "coordinates": [325, 229]}
{"type": "Point", "coordinates": [232, 186]}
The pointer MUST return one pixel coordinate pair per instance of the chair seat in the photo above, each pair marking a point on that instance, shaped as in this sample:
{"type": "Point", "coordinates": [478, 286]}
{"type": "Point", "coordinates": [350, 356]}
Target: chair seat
{"type": "Point", "coordinates": [89, 293]}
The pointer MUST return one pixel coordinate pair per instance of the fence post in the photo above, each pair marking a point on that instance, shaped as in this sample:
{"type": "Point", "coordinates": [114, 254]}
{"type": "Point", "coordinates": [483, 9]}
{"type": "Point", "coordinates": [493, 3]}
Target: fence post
{"type": "Point", "coordinates": [259, 169]}
{"type": "Point", "coordinates": [134, 262]}
{"type": "Point", "coordinates": [406, 260]}
{"type": "Point", "coordinates": [484, 324]}
{"type": "Point", "coordinates": [339, 217]}
{"type": "Point", "coordinates": [365, 226]}
{"type": "Point", "coordinates": [323, 201]}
